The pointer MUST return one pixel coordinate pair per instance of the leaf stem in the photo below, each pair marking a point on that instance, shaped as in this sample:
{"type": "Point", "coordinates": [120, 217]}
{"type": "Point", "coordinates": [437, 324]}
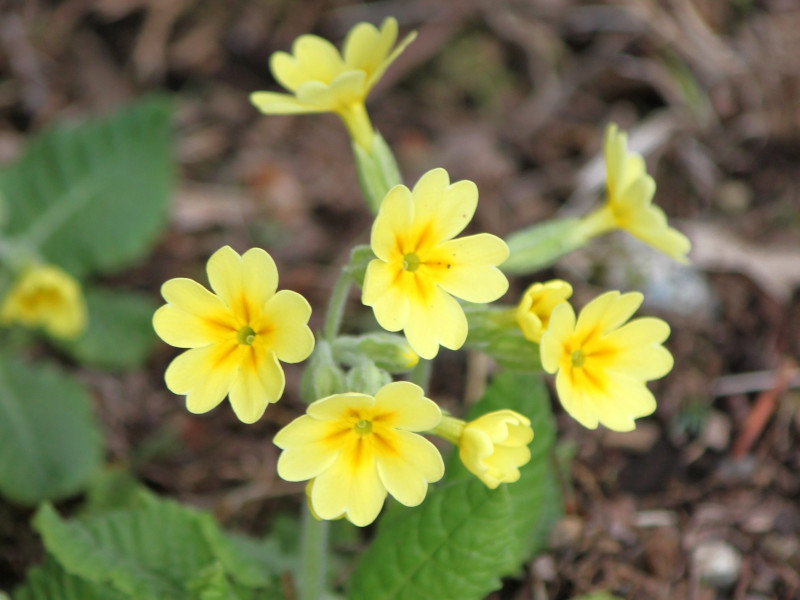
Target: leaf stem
{"type": "Point", "coordinates": [421, 373]}
{"type": "Point", "coordinates": [336, 304]}
{"type": "Point", "coordinates": [313, 557]}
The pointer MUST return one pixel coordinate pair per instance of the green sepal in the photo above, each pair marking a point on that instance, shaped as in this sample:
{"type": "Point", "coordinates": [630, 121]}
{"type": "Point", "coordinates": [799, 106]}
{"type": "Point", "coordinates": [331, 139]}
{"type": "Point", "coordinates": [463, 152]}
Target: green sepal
{"type": "Point", "coordinates": [537, 247]}
{"type": "Point", "coordinates": [377, 171]}
{"type": "Point", "coordinates": [322, 377]}
{"type": "Point", "coordinates": [367, 378]}
{"type": "Point", "coordinates": [360, 257]}
{"type": "Point", "coordinates": [494, 331]}
{"type": "Point", "coordinates": [388, 351]}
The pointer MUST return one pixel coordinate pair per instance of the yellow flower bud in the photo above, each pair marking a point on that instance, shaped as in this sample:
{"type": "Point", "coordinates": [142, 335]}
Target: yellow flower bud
{"type": "Point", "coordinates": [538, 301]}
{"type": "Point", "coordinates": [48, 297]}
{"type": "Point", "coordinates": [493, 447]}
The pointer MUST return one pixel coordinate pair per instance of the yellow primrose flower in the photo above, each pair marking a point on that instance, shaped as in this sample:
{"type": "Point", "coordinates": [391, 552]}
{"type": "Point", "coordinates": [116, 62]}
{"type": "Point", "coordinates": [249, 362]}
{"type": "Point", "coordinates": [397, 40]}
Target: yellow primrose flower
{"type": "Point", "coordinates": [602, 362]}
{"type": "Point", "coordinates": [419, 264]}
{"type": "Point", "coordinates": [538, 301]}
{"type": "Point", "coordinates": [322, 80]}
{"type": "Point", "coordinates": [629, 203]}
{"type": "Point", "coordinates": [235, 336]}
{"type": "Point", "coordinates": [46, 296]}
{"type": "Point", "coordinates": [356, 448]}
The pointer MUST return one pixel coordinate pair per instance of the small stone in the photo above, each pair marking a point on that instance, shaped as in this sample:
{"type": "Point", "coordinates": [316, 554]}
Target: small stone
{"type": "Point", "coordinates": [544, 568]}
{"type": "Point", "coordinates": [567, 532]}
{"type": "Point", "coordinates": [717, 563]}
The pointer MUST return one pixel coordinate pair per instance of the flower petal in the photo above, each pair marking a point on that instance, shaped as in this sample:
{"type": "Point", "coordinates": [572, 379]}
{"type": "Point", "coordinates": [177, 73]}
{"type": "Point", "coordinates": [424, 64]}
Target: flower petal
{"type": "Point", "coordinates": [183, 330]}
{"type": "Point", "coordinates": [393, 221]}
{"type": "Point", "coordinates": [351, 486]}
{"type": "Point", "coordinates": [606, 312]}
{"type": "Point", "coordinates": [191, 297]}
{"type": "Point", "coordinates": [284, 326]}
{"type": "Point", "coordinates": [465, 267]}
{"type": "Point", "coordinates": [205, 375]}
{"type": "Point", "coordinates": [447, 209]}
{"type": "Point", "coordinates": [366, 48]}
{"type": "Point", "coordinates": [560, 328]}
{"type": "Point", "coordinates": [305, 451]}
{"type": "Point", "coordinates": [339, 406]}
{"type": "Point", "coordinates": [408, 464]}
{"type": "Point", "coordinates": [244, 282]}
{"type": "Point", "coordinates": [434, 320]}
{"type": "Point", "coordinates": [273, 103]}
{"type": "Point", "coordinates": [574, 401]}
{"type": "Point", "coordinates": [260, 381]}
{"type": "Point", "coordinates": [402, 405]}
{"type": "Point", "coordinates": [313, 59]}
{"type": "Point", "coordinates": [385, 294]}
{"type": "Point", "coordinates": [378, 73]}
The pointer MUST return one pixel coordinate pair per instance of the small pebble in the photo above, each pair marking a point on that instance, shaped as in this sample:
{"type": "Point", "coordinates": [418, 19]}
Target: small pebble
{"type": "Point", "coordinates": [717, 563]}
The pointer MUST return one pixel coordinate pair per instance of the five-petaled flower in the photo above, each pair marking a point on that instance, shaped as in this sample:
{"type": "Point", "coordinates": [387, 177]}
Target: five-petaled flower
{"type": "Point", "coordinates": [48, 297]}
{"type": "Point", "coordinates": [602, 362]}
{"type": "Point", "coordinates": [322, 80]}
{"type": "Point", "coordinates": [419, 264]}
{"type": "Point", "coordinates": [235, 336]}
{"type": "Point", "coordinates": [355, 448]}
{"type": "Point", "coordinates": [536, 305]}
{"type": "Point", "coordinates": [494, 446]}
{"type": "Point", "coordinates": [629, 203]}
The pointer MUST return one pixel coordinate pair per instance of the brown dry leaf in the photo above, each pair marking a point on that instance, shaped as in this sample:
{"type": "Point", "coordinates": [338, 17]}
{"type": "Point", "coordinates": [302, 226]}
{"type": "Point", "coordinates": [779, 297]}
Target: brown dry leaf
{"type": "Point", "coordinates": [776, 269]}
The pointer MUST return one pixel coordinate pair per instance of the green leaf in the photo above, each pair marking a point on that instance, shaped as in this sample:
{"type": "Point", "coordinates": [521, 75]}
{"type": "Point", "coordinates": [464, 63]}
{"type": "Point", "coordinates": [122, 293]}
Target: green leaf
{"type": "Point", "coordinates": [150, 553]}
{"type": "Point", "coordinates": [51, 582]}
{"type": "Point", "coordinates": [453, 546]}
{"type": "Point", "coordinates": [93, 197]}
{"type": "Point", "coordinates": [536, 502]}
{"type": "Point", "coordinates": [251, 562]}
{"type": "Point", "coordinates": [114, 488]}
{"type": "Point", "coordinates": [49, 442]}
{"type": "Point", "coordinates": [160, 550]}
{"type": "Point", "coordinates": [120, 333]}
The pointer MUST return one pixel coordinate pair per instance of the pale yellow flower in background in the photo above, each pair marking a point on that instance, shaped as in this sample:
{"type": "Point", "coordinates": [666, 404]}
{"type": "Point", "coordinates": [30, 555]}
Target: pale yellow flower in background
{"type": "Point", "coordinates": [48, 297]}
{"type": "Point", "coordinates": [235, 336]}
{"type": "Point", "coordinates": [322, 80]}
{"type": "Point", "coordinates": [629, 201]}
{"type": "Point", "coordinates": [602, 361]}
{"type": "Point", "coordinates": [493, 447]}
{"type": "Point", "coordinates": [419, 264]}
{"type": "Point", "coordinates": [356, 448]}
{"type": "Point", "coordinates": [538, 301]}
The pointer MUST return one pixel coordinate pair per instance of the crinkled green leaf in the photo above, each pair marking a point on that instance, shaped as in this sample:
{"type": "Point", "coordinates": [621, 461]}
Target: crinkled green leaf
{"type": "Point", "coordinates": [536, 498]}
{"type": "Point", "coordinates": [93, 197]}
{"type": "Point", "coordinates": [51, 582]}
{"type": "Point", "coordinates": [150, 553]}
{"type": "Point", "coordinates": [249, 561]}
{"type": "Point", "coordinates": [49, 442]}
{"type": "Point", "coordinates": [158, 549]}
{"type": "Point", "coordinates": [115, 488]}
{"type": "Point", "coordinates": [120, 333]}
{"type": "Point", "coordinates": [452, 547]}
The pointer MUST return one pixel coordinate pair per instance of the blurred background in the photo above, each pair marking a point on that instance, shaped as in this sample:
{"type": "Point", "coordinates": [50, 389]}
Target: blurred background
{"type": "Point", "coordinates": [513, 95]}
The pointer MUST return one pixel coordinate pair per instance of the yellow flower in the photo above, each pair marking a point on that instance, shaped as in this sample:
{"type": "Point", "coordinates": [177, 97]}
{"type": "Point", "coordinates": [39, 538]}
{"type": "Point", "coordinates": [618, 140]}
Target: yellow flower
{"type": "Point", "coordinates": [419, 264]}
{"type": "Point", "coordinates": [602, 362]}
{"type": "Point", "coordinates": [629, 203]}
{"type": "Point", "coordinates": [356, 448]}
{"type": "Point", "coordinates": [322, 80]}
{"type": "Point", "coordinates": [235, 336]}
{"type": "Point", "coordinates": [494, 446]}
{"type": "Point", "coordinates": [46, 296]}
{"type": "Point", "coordinates": [538, 301]}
